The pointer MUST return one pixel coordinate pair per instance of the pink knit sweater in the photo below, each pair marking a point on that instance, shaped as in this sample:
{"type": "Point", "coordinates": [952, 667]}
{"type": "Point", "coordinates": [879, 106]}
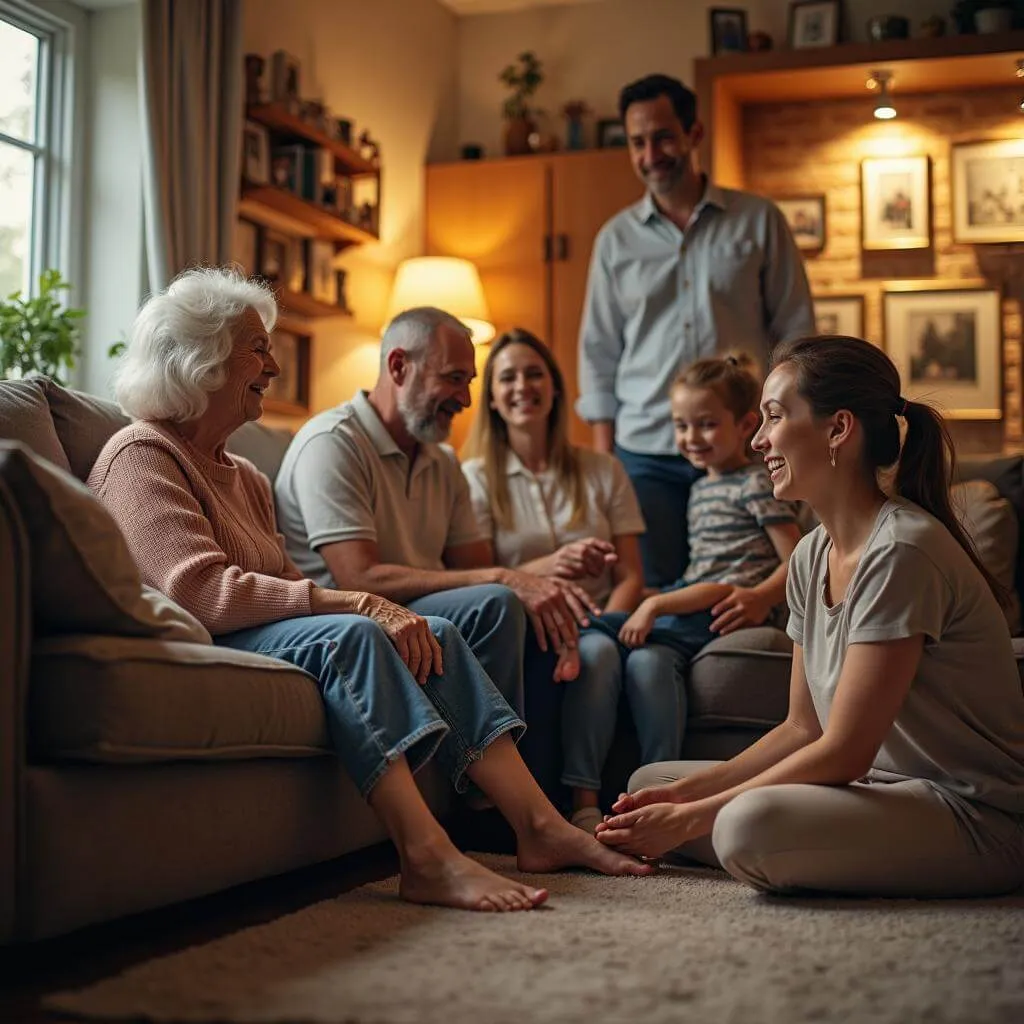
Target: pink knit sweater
{"type": "Point", "coordinates": [202, 532]}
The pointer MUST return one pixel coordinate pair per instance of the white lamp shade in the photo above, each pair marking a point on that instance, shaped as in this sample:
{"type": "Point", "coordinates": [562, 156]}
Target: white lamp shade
{"type": "Point", "coordinates": [448, 283]}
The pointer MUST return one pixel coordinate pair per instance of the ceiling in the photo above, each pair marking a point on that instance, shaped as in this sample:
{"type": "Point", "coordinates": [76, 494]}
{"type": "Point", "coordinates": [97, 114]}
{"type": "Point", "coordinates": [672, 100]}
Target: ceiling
{"type": "Point", "coordinates": [484, 6]}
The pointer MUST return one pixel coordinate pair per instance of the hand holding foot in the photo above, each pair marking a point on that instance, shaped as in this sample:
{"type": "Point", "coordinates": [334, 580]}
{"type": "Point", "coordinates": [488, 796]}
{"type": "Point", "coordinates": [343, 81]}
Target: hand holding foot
{"type": "Point", "coordinates": [555, 844]}
{"type": "Point", "coordinates": [653, 830]}
{"type": "Point", "coordinates": [670, 793]}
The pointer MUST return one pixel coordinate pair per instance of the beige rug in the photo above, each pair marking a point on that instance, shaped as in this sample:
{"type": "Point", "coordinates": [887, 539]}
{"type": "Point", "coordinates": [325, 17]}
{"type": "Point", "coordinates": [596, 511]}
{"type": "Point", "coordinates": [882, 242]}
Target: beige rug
{"type": "Point", "coordinates": [686, 945]}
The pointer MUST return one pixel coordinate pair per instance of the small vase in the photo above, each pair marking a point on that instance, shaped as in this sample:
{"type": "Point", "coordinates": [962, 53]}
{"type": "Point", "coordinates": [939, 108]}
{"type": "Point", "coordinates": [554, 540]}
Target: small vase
{"type": "Point", "coordinates": [574, 135]}
{"type": "Point", "coordinates": [992, 20]}
{"type": "Point", "coordinates": [517, 136]}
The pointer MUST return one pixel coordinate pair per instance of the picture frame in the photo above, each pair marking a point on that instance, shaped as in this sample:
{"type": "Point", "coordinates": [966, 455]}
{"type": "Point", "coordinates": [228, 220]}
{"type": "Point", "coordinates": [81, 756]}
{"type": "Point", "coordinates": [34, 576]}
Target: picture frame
{"type": "Point", "coordinates": [805, 216]}
{"type": "Point", "coordinates": [255, 153]}
{"type": "Point", "coordinates": [273, 256]}
{"type": "Point", "coordinates": [285, 78]}
{"type": "Point", "coordinates": [287, 167]}
{"type": "Point", "coordinates": [896, 203]}
{"type": "Point", "coordinates": [988, 190]}
{"type": "Point", "coordinates": [947, 343]}
{"type": "Point", "coordinates": [245, 246]}
{"type": "Point", "coordinates": [289, 390]}
{"type": "Point", "coordinates": [727, 30]}
{"type": "Point", "coordinates": [814, 23]}
{"type": "Point", "coordinates": [321, 282]}
{"type": "Point", "coordinates": [839, 314]}
{"type": "Point", "coordinates": [611, 133]}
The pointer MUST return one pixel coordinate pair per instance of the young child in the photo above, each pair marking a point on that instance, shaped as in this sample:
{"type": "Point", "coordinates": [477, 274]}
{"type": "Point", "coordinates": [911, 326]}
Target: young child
{"type": "Point", "coordinates": [741, 538]}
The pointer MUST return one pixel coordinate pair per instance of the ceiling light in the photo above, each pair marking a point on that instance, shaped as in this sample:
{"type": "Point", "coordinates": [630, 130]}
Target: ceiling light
{"type": "Point", "coordinates": [882, 80]}
{"type": "Point", "coordinates": [1020, 68]}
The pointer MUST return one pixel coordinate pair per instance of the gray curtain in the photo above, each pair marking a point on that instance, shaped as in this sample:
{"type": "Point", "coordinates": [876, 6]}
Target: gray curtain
{"type": "Point", "coordinates": [192, 111]}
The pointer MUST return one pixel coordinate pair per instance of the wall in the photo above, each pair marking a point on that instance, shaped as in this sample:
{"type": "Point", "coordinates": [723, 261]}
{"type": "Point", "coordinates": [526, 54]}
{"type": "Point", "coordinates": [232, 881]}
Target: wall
{"type": "Point", "coordinates": [390, 66]}
{"type": "Point", "coordinates": [817, 147]}
{"type": "Point", "coordinates": [590, 50]}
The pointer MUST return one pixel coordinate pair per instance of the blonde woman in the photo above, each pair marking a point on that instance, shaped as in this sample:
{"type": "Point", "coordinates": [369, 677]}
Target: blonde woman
{"type": "Point", "coordinates": [557, 510]}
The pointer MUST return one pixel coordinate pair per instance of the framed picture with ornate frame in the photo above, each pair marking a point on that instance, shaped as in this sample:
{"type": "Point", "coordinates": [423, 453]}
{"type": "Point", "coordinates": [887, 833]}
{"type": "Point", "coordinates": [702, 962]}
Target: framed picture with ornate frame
{"type": "Point", "coordinates": [895, 202]}
{"type": "Point", "coordinates": [947, 342]}
{"type": "Point", "coordinates": [805, 216]}
{"type": "Point", "coordinates": [289, 391]}
{"type": "Point", "coordinates": [839, 314]}
{"type": "Point", "coordinates": [988, 190]}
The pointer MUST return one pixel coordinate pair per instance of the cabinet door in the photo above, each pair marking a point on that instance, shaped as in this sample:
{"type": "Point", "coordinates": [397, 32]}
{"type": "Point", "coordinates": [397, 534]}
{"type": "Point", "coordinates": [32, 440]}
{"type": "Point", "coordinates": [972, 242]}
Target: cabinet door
{"type": "Point", "coordinates": [587, 189]}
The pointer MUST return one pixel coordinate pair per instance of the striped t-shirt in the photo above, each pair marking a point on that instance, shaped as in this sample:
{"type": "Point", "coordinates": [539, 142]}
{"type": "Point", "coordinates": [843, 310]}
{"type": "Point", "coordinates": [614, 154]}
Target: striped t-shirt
{"type": "Point", "coordinates": [726, 519]}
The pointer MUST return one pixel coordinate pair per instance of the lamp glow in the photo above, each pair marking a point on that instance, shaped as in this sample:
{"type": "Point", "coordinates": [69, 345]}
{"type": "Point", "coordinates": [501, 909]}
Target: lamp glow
{"type": "Point", "coordinates": [448, 283]}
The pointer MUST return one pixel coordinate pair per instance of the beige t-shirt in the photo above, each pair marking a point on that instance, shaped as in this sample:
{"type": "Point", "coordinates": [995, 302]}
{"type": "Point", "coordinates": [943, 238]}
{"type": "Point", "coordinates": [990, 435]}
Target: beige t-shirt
{"type": "Point", "coordinates": [344, 478]}
{"type": "Point", "coordinates": [961, 727]}
{"type": "Point", "coordinates": [542, 511]}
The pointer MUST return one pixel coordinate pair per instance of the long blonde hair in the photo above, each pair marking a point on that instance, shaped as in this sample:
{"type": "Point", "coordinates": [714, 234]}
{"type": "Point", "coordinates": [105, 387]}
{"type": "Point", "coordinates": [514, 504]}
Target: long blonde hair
{"type": "Point", "coordinates": [488, 437]}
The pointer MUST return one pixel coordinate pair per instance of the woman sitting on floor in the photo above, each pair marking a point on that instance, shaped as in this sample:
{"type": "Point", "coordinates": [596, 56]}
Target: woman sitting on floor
{"type": "Point", "coordinates": [397, 688]}
{"type": "Point", "coordinates": [899, 770]}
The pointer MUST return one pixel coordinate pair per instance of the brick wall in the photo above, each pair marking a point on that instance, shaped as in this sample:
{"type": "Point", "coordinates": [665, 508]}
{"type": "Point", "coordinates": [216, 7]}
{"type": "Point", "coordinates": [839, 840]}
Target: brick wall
{"type": "Point", "coordinates": [810, 148]}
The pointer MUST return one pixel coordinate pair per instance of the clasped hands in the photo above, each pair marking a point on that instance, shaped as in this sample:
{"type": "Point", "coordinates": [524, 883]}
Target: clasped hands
{"type": "Point", "coordinates": [650, 822]}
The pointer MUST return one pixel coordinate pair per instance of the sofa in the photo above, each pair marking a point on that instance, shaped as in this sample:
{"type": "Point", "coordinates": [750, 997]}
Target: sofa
{"type": "Point", "coordinates": [141, 766]}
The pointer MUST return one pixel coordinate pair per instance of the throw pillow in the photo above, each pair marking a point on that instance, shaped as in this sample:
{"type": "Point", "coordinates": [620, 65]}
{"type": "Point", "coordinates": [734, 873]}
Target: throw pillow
{"type": "Point", "coordinates": [84, 579]}
{"type": "Point", "coordinates": [25, 416]}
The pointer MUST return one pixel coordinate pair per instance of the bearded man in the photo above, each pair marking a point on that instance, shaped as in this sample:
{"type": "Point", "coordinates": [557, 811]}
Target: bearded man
{"type": "Point", "coordinates": [691, 270]}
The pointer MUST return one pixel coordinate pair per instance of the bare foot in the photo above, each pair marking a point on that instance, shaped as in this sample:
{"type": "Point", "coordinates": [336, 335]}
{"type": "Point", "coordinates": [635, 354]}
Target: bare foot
{"type": "Point", "coordinates": [557, 844]}
{"type": "Point", "coordinates": [454, 880]}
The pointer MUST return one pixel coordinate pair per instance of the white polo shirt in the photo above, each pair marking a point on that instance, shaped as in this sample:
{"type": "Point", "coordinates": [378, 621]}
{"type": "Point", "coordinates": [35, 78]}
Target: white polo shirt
{"type": "Point", "coordinates": [344, 478]}
{"type": "Point", "coordinates": [542, 510]}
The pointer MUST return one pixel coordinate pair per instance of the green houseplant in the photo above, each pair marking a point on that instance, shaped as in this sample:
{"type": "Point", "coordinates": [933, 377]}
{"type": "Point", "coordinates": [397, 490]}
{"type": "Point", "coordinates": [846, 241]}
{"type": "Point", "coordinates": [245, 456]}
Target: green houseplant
{"type": "Point", "coordinates": [523, 77]}
{"type": "Point", "coordinates": [39, 334]}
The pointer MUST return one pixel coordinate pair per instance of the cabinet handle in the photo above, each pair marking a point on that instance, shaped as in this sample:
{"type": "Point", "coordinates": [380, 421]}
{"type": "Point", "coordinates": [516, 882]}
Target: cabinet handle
{"type": "Point", "coordinates": [562, 247]}
{"type": "Point", "coordinates": [548, 248]}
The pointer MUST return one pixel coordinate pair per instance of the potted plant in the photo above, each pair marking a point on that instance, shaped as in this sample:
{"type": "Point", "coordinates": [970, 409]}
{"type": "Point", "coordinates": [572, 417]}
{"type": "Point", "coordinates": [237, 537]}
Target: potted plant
{"type": "Point", "coordinates": [522, 77]}
{"type": "Point", "coordinates": [39, 335]}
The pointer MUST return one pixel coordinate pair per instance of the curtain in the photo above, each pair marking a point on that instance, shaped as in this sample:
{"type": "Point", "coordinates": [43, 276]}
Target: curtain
{"type": "Point", "coordinates": [192, 111]}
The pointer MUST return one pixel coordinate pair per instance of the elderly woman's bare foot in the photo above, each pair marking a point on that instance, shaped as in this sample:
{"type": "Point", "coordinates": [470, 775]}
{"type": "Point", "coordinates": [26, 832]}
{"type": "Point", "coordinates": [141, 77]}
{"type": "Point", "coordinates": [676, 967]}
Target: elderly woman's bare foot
{"type": "Point", "coordinates": [553, 843]}
{"type": "Point", "coordinates": [448, 878]}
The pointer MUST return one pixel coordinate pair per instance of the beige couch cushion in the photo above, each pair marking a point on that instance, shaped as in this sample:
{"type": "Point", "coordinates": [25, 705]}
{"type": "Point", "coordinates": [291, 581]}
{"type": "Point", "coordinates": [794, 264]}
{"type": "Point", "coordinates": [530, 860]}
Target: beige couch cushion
{"type": "Point", "coordinates": [84, 424]}
{"type": "Point", "coordinates": [263, 446]}
{"type": "Point", "coordinates": [84, 579]}
{"type": "Point", "coordinates": [25, 417]}
{"type": "Point", "coordinates": [117, 700]}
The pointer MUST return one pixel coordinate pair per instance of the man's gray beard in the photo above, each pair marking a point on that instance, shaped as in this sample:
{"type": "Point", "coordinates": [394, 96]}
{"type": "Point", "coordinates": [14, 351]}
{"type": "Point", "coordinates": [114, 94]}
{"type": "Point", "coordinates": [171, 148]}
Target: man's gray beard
{"type": "Point", "coordinates": [425, 429]}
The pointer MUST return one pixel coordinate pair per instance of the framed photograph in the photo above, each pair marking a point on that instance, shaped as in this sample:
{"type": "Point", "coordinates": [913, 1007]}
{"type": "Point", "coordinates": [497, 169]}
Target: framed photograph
{"type": "Point", "coordinates": [255, 153]}
{"type": "Point", "coordinates": [814, 23]}
{"type": "Point", "coordinates": [287, 164]}
{"type": "Point", "coordinates": [284, 78]}
{"type": "Point", "coordinates": [839, 314]}
{"type": "Point", "coordinates": [321, 280]}
{"type": "Point", "coordinates": [274, 253]}
{"type": "Point", "coordinates": [805, 216]}
{"type": "Point", "coordinates": [289, 391]}
{"type": "Point", "coordinates": [988, 191]}
{"type": "Point", "coordinates": [245, 246]}
{"type": "Point", "coordinates": [947, 344]}
{"type": "Point", "coordinates": [728, 29]}
{"type": "Point", "coordinates": [611, 133]}
{"type": "Point", "coordinates": [896, 202]}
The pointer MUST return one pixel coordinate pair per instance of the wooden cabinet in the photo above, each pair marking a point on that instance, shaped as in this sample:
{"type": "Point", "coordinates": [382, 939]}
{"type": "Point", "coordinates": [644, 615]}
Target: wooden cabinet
{"type": "Point", "coordinates": [529, 223]}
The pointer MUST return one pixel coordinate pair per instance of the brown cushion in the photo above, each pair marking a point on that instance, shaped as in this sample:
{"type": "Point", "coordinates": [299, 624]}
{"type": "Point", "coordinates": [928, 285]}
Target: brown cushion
{"type": "Point", "coordinates": [263, 446]}
{"type": "Point", "coordinates": [114, 699]}
{"type": "Point", "coordinates": [84, 579]}
{"type": "Point", "coordinates": [25, 417]}
{"type": "Point", "coordinates": [84, 424]}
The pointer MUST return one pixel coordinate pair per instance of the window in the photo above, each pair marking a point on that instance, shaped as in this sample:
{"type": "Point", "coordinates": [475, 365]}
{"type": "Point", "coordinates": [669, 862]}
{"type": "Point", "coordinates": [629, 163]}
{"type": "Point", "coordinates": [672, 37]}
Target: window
{"type": "Point", "coordinates": [34, 164]}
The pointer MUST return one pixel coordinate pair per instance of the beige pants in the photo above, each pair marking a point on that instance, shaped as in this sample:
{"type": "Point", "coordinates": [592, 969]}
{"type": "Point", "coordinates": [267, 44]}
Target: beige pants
{"type": "Point", "coordinates": [895, 839]}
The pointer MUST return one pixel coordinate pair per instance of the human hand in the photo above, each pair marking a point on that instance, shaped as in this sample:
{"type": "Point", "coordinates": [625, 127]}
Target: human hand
{"type": "Point", "coordinates": [670, 793]}
{"type": "Point", "coordinates": [587, 557]}
{"type": "Point", "coordinates": [653, 830]}
{"type": "Point", "coordinates": [744, 606]}
{"type": "Point", "coordinates": [556, 608]}
{"type": "Point", "coordinates": [637, 628]}
{"type": "Point", "coordinates": [567, 667]}
{"type": "Point", "coordinates": [410, 633]}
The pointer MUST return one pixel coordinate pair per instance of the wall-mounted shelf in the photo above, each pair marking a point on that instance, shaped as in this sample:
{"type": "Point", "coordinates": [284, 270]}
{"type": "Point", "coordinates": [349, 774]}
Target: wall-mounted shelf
{"type": "Point", "coordinates": [288, 127]}
{"type": "Point", "coordinates": [303, 304]}
{"type": "Point", "coordinates": [277, 208]}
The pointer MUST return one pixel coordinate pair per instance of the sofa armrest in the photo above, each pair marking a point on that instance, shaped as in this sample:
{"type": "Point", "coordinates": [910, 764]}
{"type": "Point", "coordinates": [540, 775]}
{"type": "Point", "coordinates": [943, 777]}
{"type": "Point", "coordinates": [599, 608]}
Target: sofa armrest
{"type": "Point", "coordinates": [15, 642]}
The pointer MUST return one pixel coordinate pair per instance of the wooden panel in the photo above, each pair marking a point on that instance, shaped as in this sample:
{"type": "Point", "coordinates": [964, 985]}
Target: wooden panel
{"type": "Point", "coordinates": [588, 188]}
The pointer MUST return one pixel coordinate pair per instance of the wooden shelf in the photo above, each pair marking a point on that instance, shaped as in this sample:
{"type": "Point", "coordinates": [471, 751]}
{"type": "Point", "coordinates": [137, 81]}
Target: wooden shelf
{"type": "Point", "coordinates": [290, 127]}
{"type": "Point", "coordinates": [276, 208]}
{"type": "Point", "coordinates": [303, 304]}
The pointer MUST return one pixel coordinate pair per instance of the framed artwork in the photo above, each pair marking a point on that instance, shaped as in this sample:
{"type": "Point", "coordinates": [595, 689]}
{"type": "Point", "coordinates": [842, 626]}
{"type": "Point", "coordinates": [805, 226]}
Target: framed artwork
{"type": "Point", "coordinates": [611, 133]}
{"type": "Point", "coordinates": [728, 29]}
{"type": "Point", "coordinates": [321, 280]}
{"type": "Point", "coordinates": [289, 391]}
{"type": "Point", "coordinates": [814, 23]}
{"type": "Point", "coordinates": [947, 344]}
{"type": "Point", "coordinates": [255, 153]}
{"type": "Point", "coordinates": [839, 314]}
{"type": "Point", "coordinates": [274, 255]}
{"type": "Point", "coordinates": [895, 202]}
{"type": "Point", "coordinates": [245, 246]}
{"type": "Point", "coordinates": [286, 166]}
{"type": "Point", "coordinates": [988, 190]}
{"type": "Point", "coordinates": [284, 78]}
{"type": "Point", "coordinates": [805, 216]}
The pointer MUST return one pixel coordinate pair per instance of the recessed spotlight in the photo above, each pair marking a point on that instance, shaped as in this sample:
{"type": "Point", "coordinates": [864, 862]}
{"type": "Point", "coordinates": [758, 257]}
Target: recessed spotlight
{"type": "Point", "coordinates": [882, 81]}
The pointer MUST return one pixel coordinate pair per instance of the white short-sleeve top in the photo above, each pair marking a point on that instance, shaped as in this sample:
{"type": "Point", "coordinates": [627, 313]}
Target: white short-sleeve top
{"type": "Point", "coordinates": [961, 727]}
{"type": "Point", "coordinates": [542, 510]}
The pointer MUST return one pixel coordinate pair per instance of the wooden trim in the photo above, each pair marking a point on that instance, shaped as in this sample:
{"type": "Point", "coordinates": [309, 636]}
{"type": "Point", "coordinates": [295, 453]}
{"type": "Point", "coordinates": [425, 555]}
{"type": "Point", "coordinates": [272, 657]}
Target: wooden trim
{"type": "Point", "coordinates": [276, 208]}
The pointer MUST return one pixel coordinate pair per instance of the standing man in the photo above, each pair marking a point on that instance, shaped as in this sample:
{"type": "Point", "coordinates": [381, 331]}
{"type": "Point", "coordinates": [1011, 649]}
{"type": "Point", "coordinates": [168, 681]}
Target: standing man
{"type": "Point", "coordinates": [690, 271]}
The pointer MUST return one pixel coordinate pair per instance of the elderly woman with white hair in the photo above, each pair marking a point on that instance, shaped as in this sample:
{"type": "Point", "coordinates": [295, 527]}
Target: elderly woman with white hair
{"type": "Point", "coordinates": [200, 523]}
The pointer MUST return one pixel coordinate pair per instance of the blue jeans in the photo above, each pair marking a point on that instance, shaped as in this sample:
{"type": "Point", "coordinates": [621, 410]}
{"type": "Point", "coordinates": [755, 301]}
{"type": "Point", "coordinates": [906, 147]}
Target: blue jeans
{"type": "Point", "coordinates": [376, 711]}
{"type": "Point", "coordinates": [662, 485]}
{"type": "Point", "coordinates": [654, 680]}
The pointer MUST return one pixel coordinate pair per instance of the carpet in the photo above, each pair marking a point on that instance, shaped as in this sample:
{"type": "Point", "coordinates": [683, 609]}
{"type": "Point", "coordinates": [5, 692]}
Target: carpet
{"type": "Point", "coordinates": [685, 945]}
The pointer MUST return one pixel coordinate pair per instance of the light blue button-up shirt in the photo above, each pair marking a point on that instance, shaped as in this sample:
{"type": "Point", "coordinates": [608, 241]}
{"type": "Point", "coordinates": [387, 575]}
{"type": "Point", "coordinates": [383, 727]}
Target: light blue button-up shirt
{"type": "Point", "coordinates": [659, 298]}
